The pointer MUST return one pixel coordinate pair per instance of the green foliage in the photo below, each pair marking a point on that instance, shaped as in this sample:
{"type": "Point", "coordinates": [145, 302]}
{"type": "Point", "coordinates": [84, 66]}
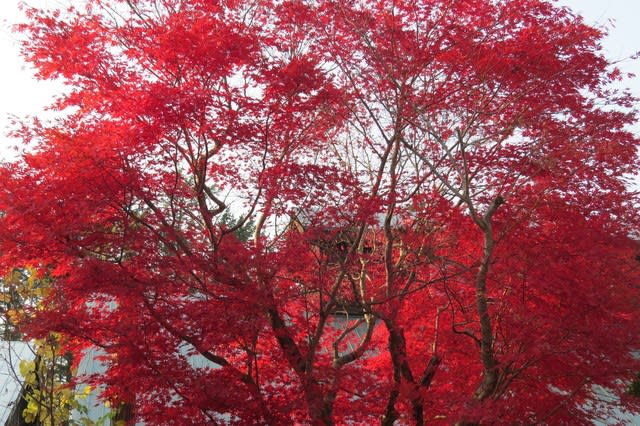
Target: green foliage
{"type": "Point", "coordinates": [19, 290]}
{"type": "Point", "coordinates": [84, 419]}
{"type": "Point", "coordinates": [634, 387]}
{"type": "Point", "coordinates": [50, 396]}
{"type": "Point", "coordinates": [244, 231]}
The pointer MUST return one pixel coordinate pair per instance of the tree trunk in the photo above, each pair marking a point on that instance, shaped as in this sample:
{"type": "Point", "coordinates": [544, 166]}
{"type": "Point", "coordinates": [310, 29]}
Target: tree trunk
{"type": "Point", "coordinates": [401, 369]}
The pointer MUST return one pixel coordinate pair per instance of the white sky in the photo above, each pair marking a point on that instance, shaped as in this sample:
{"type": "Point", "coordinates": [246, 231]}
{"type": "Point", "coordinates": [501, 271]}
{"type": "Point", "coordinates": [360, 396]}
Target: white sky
{"type": "Point", "coordinates": [21, 94]}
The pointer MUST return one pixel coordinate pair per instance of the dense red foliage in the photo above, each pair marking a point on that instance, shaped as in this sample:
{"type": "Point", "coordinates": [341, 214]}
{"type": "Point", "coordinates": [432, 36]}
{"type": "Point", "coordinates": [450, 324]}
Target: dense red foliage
{"type": "Point", "coordinates": [450, 174]}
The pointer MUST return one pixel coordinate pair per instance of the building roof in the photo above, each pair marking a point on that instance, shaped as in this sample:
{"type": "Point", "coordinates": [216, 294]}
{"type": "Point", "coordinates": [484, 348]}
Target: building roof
{"type": "Point", "coordinates": [11, 353]}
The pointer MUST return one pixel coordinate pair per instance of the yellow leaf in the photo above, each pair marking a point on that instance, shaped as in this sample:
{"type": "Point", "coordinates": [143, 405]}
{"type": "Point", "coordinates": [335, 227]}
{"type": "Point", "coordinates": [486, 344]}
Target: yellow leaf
{"type": "Point", "coordinates": [25, 367]}
{"type": "Point", "coordinates": [29, 413]}
{"type": "Point", "coordinates": [13, 315]}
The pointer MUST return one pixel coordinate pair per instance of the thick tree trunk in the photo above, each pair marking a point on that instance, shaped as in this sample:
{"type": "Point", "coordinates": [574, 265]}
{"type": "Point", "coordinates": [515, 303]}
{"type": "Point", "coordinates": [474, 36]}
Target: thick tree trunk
{"type": "Point", "coordinates": [320, 405]}
{"type": "Point", "coordinates": [490, 367]}
{"type": "Point", "coordinates": [489, 363]}
{"type": "Point", "coordinates": [490, 371]}
{"type": "Point", "coordinates": [401, 370]}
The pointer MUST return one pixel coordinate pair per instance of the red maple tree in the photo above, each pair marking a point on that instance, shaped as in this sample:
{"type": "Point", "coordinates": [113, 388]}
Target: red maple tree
{"type": "Point", "coordinates": [361, 212]}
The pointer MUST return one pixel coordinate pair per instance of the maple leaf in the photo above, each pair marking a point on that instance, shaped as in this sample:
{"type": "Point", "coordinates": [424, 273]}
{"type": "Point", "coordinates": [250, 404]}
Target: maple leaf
{"type": "Point", "coordinates": [331, 212]}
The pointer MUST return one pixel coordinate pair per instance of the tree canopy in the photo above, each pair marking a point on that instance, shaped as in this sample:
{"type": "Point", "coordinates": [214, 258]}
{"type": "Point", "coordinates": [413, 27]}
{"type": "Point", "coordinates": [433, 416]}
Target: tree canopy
{"type": "Point", "coordinates": [357, 212]}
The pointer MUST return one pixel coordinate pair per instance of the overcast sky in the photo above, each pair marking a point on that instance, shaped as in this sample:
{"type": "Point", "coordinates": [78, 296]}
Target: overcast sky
{"type": "Point", "coordinates": [21, 94]}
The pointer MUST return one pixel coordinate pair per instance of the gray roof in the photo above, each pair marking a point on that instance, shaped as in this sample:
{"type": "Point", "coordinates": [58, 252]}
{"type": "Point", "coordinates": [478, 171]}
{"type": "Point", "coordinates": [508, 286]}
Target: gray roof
{"type": "Point", "coordinates": [11, 353]}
